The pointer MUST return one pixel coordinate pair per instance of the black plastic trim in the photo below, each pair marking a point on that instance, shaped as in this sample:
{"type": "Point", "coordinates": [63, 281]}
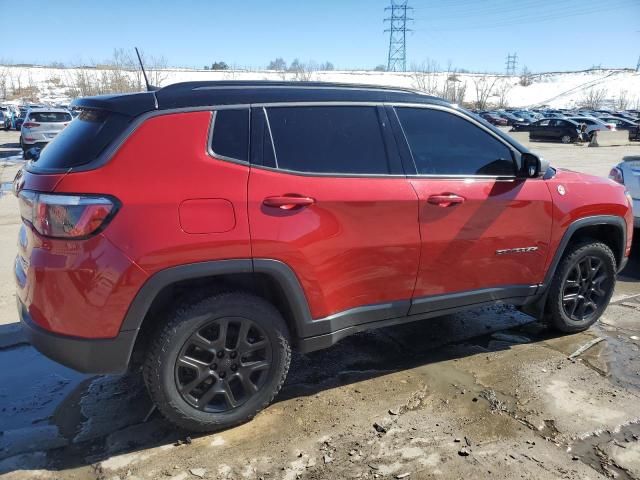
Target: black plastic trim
{"type": "Point", "coordinates": [326, 340]}
{"type": "Point", "coordinates": [587, 222]}
{"type": "Point", "coordinates": [82, 354]}
{"type": "Point", "coordinates": [472, 297]}
{"type": "Point", "coordinates": [143, 300]}
{"type": "Point", "coordinates": [337, 325]}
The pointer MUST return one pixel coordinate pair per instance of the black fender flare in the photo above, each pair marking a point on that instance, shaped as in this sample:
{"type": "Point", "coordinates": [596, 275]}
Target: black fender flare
{"type": "Point", "coordinates": [277, 270]}
{"type": "Point", "coordinates": [614, 220]}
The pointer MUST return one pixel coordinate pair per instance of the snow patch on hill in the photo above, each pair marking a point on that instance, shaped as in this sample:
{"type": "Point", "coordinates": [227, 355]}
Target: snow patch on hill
{"type": "Point", "coordinates": [558, 89]}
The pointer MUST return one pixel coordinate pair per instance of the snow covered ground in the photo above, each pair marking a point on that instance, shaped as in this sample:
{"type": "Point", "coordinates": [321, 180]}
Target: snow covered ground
{"type": "Point", "coordinates": [559, 89]}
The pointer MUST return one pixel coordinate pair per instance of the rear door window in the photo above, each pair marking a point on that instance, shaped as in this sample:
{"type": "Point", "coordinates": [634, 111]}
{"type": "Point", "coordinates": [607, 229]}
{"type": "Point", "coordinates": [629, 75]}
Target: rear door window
{"type": "Point", "coordinates": [83, 140]}
{"type": "Point", "coordinates": [328, 139]}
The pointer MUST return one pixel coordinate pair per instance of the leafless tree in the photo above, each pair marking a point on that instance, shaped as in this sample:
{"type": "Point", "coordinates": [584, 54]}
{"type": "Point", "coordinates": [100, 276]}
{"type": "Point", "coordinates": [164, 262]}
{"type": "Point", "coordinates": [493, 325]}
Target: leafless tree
{"type": "Point", "coordinates": [454, 88]}
{"type": "Point", "coordinates": [156, 68]}
{"type": "Point", "coordinates": [303, 72]}
{"type": "Point", "coordinates": [502, 91]}
{"type": "Point", "coordinates": [593, 98]}
{"type": "Point", "coordinates": [526, 78]}
{"type": "Point", "coordinates": [622, 102]}
{"type": "Point", "coordinates": [425, 77]}
{"type": "Point", "coordinates": [277, 64]}
{"type": "Point", "coordinates": [484, 86]}
{"type": "Point", "coordinates": [4, 73]}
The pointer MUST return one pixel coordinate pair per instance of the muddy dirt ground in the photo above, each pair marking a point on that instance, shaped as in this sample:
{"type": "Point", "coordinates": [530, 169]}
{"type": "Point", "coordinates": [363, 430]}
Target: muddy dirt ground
{"type": "Point", "coordinates": [484, 394]}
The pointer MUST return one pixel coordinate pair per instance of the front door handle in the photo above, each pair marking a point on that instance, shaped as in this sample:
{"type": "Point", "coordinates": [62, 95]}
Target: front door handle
{"type": "Point", "coordinates": [445, 199]}
{"type": "Point", "coordinates": [288, 202]}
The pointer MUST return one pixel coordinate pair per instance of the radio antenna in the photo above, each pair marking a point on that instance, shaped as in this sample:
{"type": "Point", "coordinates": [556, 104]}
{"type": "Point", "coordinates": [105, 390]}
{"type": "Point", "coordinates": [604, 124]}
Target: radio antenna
{"type": "Point", "coordinates": [146, 81]}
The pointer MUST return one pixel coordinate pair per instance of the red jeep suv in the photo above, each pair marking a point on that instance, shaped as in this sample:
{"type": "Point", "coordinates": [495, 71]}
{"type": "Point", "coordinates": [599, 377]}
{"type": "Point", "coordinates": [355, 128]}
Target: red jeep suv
{"type": "Point", "coordinates": [207, 228]}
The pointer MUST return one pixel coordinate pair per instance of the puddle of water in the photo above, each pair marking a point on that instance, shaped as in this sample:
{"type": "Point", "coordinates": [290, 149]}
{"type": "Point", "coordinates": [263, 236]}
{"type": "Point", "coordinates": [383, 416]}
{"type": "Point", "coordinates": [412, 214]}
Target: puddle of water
{"type": "Point", "coordinates": [30, 391]}
{"type": "Point", "coordinates": [618, 358]}
{"type": "Point", "coordinates": [594, 450]}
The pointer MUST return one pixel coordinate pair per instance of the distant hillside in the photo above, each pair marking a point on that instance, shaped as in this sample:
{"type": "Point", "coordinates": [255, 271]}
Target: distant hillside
{"type": "Point", "coordinates": [612, 87]}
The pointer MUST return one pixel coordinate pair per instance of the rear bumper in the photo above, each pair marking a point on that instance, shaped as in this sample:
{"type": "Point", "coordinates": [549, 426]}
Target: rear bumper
{"type": "Point", "coordinates": [81, 354]}
{"type": "Point", "coordinates": [39, 145]}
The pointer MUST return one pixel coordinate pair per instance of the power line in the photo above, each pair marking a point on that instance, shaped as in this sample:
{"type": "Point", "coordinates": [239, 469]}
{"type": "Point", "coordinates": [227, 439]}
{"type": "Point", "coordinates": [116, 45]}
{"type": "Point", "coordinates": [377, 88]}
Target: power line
{"type": "Point", "coordinates": [397, 56]}
{"type": "Point", "coordinates": [525, 17]}
{"type": "Point", "coordinates": [512, 61]}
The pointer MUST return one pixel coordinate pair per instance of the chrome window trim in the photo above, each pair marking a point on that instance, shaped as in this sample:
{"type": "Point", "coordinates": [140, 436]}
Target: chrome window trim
{"type": "Point", "coordinates": [332, 175]}
{"type": "Point", "coordinates": [453, 111]}
{"type": "Point", "coordinates": [324, 174]}
{"type": "Point", "coordinates": [209, 149]}
{"type": "Point", "coordinates": [108, 153]}
{"type": "Point", "coordinates": [273, 144]}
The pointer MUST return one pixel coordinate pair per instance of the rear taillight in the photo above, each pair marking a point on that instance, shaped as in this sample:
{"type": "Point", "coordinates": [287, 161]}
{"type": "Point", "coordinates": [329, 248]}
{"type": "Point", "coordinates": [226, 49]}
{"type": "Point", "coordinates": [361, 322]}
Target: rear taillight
{"type": "Point", "coordinates": [616, 175]}
{"type": "Point", "coordinates": [65, 216]}
{"type": "Point", "coordinates": [609, 126]}
{"type": "Point", "coordinates": [30, 124]}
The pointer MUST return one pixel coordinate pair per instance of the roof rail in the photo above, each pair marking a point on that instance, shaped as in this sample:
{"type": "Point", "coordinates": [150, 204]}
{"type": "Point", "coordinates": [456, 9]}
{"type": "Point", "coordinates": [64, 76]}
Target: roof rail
{"type": "Point", "coordinates": [230, 84]}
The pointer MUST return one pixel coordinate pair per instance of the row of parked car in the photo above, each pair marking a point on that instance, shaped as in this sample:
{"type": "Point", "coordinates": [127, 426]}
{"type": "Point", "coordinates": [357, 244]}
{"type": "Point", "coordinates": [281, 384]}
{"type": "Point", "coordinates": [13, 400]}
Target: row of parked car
{"type": "Point", "coordinates": [567, 126]}
{"type": "Point", "coordinates": [38, 124]}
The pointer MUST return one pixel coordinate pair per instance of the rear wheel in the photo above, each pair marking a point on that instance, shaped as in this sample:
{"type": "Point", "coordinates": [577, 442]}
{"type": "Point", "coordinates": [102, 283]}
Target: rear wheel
{"type": "Point", "coordinates": [582, 287]}
{"type": "Point", "coordinates": [566, 139]}
{"type": "Point", "coordinates": [218, 362]}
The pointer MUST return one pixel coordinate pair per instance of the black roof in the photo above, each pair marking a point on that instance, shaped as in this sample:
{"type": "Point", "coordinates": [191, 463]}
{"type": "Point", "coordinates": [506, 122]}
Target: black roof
{"type": "Point", "coordinates": [197, 94]}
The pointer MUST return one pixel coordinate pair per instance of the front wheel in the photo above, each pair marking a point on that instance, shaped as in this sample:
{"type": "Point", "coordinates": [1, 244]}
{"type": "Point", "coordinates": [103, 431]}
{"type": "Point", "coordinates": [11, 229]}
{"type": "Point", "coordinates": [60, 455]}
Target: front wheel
{"type": "Point", "coordinates": [218, 362]}
{"type": "Point", "coordinates": [582, 287]}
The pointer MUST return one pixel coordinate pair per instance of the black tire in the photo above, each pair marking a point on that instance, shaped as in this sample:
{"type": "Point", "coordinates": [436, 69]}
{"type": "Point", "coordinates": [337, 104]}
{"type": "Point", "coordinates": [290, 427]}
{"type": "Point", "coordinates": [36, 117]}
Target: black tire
{"type": "Point", "coordinates": [581, 287]}
{"type": "Point", "coordinates": [173, 367]}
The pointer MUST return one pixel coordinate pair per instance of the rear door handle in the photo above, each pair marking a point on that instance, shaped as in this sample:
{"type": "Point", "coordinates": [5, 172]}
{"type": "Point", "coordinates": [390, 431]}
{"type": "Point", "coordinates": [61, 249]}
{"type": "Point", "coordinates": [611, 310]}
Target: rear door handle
{"type": "Point", "coordinates": [445, 199]}
{"type": "Point", "coordinates": [288, 202]}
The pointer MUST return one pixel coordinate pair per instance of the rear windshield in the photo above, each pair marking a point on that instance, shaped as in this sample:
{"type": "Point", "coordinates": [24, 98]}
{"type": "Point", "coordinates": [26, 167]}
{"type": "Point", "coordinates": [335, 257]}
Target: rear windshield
{"type": "Point", "coordinates": [83, 140]}
{"type": "Point", "coordinates": [50, 117]}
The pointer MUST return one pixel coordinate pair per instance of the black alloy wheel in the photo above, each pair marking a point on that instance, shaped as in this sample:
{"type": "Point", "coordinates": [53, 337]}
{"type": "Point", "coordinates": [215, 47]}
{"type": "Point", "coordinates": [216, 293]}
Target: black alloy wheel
{"type": "Point", "coordinates": [223, 364]}
{"type": "Point", "coordinates": [585, 289]}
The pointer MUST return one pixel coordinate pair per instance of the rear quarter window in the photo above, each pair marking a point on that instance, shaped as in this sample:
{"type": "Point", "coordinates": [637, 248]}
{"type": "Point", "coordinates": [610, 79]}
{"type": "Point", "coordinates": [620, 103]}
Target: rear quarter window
{"type": "Point", "coordinates": [82, 140]}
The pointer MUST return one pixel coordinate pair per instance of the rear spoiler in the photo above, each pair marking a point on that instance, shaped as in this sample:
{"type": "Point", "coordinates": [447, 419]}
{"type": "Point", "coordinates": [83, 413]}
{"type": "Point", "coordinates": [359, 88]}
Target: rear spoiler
{"type": "Point", "coordinates": [130, 104]}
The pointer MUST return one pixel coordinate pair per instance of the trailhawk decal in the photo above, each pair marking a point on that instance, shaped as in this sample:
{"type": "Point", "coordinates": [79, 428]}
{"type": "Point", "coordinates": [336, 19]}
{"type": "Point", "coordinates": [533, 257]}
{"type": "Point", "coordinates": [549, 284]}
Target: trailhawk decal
{"type": "Point", "coordinates": [516, 250]}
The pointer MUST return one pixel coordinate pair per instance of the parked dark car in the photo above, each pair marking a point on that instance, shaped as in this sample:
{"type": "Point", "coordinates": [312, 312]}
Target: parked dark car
{"type": "Point", "coordinates": [494, 119]}
{"type": "Point", "coordinates": [511, 118]}
{"type": "Point", "coordinates": [566, 131]}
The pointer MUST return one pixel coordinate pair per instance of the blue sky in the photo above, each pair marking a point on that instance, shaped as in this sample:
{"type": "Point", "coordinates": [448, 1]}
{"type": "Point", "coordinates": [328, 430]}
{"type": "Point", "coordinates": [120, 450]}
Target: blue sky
{"type": "Point", "coordinates": [547, 35]}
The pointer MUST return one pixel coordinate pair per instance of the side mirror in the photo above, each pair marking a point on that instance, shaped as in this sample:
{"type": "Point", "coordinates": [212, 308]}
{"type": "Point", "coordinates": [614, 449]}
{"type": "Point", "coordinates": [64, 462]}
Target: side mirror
{"type": "Point", "coordinates": [32, 154]}
{"type": "Point", "coordinates": [532, 166]}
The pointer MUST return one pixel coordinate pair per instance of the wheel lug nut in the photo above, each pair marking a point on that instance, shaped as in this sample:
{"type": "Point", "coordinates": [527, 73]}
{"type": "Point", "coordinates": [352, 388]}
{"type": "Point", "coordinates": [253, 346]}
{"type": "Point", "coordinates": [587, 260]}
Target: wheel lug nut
{"type": "Point", "coordinates": [220, 354]}
{"type": "Point", "coordinates": [233, 354]}
{"type": "Point", "coordinates": [234, 367]}
{"type": "Point", "coordinates": [222, 374]}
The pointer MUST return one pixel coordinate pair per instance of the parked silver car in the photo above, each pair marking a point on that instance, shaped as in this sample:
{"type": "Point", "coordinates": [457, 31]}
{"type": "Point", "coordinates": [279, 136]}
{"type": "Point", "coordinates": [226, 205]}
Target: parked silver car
{"type": "Point", "coordinates": [41, 125]}
{"type": "Point", "coordinates": [627, 173]}
{"type": "Point", "coordinates": [593, 124]}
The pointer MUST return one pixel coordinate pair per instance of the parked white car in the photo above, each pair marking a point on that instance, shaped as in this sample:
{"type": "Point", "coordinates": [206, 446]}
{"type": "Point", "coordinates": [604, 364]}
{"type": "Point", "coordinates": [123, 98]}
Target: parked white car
{"type": "Point", "coordinates": [627, 173]}
{"type": "Point", "coordinates": [41, 125]}
{"type": "Point", "coordinates": [593, 124]}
